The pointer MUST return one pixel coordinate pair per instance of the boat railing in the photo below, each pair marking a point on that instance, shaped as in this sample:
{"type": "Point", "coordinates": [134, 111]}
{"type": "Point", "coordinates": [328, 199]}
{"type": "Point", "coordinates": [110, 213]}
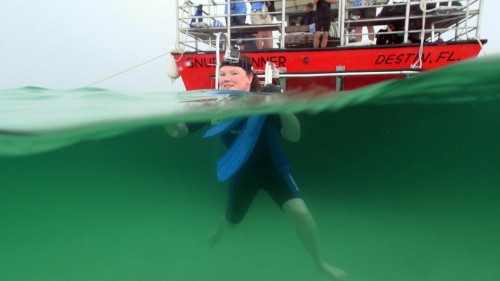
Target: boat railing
{"type": "Point", "coordinates": [434, 20]}
{"type": "Point", "coordinates": [200, 36]}
{"type": "Point", "coordinates": [430, 20]}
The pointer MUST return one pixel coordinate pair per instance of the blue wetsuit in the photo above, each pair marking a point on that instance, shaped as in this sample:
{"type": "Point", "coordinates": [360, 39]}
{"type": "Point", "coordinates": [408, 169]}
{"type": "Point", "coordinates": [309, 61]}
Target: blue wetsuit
{"type": "Point", "coordinates": [266, 168]}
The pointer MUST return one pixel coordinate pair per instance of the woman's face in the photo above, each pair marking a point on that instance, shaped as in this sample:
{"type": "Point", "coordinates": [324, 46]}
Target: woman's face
{"type": "Point", "coordinates": [234, 78]}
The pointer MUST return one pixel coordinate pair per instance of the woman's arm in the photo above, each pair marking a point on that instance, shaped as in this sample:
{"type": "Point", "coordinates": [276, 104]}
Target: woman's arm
{"type": "Point", "coordinates": [290, 127]}
{"type": "Point", "coordinates": [177, 130]}
{"type": "Point", "coordinates": [182, 129]}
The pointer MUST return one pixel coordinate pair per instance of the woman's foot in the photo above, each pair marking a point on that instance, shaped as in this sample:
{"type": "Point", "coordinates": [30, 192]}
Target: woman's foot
{"type": "Point", "coordinates": [214, 238]}
{"type": "Point", "coordinates": [218, 232]}
{"type": "Point", "coordinates": [332, 272]}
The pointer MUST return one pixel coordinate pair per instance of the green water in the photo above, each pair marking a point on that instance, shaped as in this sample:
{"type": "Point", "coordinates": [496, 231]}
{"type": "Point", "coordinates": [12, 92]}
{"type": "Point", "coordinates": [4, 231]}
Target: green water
{"type": "Point", "coordinates": [402, 178]}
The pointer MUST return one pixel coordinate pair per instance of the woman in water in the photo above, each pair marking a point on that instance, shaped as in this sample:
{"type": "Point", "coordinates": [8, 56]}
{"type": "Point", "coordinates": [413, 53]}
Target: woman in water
{"type": "Point", "coordinates": [265, 168]}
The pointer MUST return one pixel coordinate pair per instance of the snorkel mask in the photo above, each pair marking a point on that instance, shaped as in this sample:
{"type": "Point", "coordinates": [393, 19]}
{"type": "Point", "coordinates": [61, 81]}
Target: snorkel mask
{"type": "Point", "coordinates": [232, 58]}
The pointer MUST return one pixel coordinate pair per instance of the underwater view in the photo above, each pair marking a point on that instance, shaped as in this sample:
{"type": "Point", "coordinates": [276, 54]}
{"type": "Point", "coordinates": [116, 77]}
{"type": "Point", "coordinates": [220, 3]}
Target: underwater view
{"type": "Point", "coordinates": [402, 179]}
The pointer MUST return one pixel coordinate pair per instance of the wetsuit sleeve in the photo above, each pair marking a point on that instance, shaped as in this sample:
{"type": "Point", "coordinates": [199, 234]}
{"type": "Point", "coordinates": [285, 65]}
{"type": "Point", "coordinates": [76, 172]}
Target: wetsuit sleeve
{"type": "Point", "coordinates": [288, 125]}
{"type": "Point", "coordinates": [271, 88]}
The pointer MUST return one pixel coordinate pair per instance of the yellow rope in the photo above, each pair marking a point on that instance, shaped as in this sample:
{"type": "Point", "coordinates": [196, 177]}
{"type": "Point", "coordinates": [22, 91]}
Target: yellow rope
{"type": "Point", "coordinates": [126, 70]}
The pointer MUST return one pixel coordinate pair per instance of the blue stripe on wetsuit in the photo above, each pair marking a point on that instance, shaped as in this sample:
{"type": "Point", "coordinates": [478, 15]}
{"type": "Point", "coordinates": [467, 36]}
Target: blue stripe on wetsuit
{"type": "Point", "coordinates": [242, 145]}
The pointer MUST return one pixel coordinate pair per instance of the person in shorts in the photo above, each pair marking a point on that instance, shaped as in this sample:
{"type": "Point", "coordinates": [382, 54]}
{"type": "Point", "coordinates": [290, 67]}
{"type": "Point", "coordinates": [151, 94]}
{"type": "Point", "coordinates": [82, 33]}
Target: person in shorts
{"type": "Point", "coordinates": [260, 15]}
{"type": "Point", "coordinates": [265, 166]}
{"type": "Point", "coordinates": [323, 21]}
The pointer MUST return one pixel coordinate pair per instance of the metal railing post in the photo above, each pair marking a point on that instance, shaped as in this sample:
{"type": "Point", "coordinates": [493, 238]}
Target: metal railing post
{"type": "Point", "coordinates": [228, 21]}
{"type": "Point", "coordinates": [479, 20]}
{"type": "Point", "coordinates": [217, 55]}
{"type": "Point", "coordinates": [178, 35]}
{"type": "Point", "coordinates": [341, 25]}
{"type": "Point", "coordinates": [283, 33]}
{"type": "Point", "coordinates": [407, 21]}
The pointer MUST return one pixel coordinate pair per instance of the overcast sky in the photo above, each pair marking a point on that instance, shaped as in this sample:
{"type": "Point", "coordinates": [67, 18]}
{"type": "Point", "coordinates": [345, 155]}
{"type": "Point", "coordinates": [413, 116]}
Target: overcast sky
{"type": "Point", "coordinates": [65, 44]}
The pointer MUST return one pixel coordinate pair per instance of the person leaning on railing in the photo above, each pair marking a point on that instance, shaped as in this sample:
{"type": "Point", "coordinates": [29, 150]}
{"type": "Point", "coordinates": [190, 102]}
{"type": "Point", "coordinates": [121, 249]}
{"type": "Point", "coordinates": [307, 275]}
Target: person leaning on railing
{"type": "Point", "coordinates": [323, 21]}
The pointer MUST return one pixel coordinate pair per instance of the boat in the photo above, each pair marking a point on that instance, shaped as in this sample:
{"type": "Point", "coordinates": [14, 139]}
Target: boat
{"type": "Point", "coordinates": [433, 33]}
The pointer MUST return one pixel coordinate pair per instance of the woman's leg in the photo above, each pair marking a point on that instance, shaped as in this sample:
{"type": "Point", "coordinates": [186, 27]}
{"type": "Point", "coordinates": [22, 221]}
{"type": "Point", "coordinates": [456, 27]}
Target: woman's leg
{"type": "Point", "coordinates": [305, 226]}
{"type": "Point", "coordinates": [241, 192]}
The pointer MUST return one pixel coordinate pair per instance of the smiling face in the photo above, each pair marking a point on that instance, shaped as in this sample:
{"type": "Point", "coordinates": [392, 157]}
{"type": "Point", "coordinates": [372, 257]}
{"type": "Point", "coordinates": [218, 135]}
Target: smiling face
{"type": "Point", "coordinates": [234, 78]}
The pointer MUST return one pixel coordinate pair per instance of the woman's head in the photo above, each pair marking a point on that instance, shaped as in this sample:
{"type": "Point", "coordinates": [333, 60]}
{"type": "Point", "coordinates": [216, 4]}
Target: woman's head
{"type": "Point", "coordinates": [238, 75]}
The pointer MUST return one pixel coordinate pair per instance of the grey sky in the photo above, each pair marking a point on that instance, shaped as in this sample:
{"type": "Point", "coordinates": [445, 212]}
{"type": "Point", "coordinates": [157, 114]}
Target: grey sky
{"type": "Point", "coordinates": [68, 44]}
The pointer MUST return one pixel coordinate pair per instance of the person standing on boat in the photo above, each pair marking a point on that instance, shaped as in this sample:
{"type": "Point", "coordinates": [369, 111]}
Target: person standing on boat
{"type": "Point", "coordinates": [323, 22]}
{"type": "Point", "coordinates": [266, 166]}
{"type": "Point", "coordinates": [238, 8]}
{"type": "Point", "coordinates": [260, 15]}
{"type": "Point", "coordinates": [364, 13]}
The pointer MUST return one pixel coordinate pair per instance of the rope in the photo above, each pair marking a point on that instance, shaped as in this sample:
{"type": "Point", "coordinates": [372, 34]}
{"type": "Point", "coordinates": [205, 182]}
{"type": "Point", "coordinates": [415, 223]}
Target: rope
{"type": "Point", "coordinates": [422, 34]}
{"type": "Point", "coordinates": [127, 70]}
{"type": "Point", "coordinates": [482, 46]}
{"type": "Point", "coordinates": [423, 7]}
{"type": "Point", "coordinates": [178, 47]}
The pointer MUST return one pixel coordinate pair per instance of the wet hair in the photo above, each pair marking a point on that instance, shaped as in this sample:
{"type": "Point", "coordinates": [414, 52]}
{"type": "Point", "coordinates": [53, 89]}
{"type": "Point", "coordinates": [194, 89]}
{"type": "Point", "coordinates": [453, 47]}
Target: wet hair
{"type": "Point", "coordinates": [246, 64]}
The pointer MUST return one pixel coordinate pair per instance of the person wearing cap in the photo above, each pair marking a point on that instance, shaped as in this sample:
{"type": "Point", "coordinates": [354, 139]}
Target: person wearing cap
{"type": "Point", "coordinates": [266, 168]}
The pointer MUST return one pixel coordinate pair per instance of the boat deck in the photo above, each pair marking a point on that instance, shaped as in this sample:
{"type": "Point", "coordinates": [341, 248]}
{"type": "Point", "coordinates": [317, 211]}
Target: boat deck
{"type": "Point", "coordinates": [443, 33]}
{"type": "Point", "coordinates": [450, 17]}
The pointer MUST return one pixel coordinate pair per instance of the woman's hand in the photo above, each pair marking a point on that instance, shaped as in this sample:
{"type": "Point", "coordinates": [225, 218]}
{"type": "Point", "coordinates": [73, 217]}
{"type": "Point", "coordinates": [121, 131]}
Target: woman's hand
{"type": "Point", "coordinates": [177, 130]}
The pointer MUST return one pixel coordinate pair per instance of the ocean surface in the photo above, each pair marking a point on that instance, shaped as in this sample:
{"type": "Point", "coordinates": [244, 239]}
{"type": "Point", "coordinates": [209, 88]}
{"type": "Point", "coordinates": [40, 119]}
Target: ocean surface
{"type": "Point", "coordinates": [403, 179]}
